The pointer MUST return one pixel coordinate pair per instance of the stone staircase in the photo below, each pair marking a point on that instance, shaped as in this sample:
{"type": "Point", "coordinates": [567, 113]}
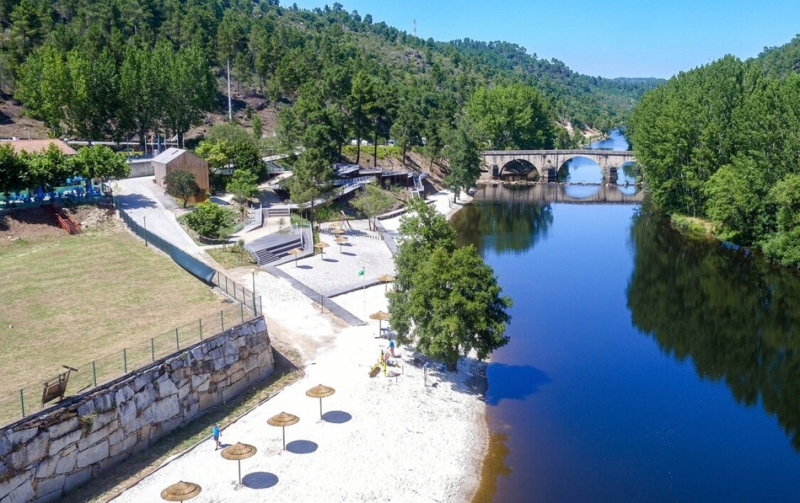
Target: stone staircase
{"type": "Point", "coordinates": [265, 251]}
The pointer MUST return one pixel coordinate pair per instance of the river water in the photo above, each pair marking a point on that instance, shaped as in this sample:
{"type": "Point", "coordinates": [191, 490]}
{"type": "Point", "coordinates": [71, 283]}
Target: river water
{"type": "Point", "coordinates": [644, 366]}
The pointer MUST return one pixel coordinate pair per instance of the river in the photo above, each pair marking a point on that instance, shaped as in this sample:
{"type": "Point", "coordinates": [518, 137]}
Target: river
{"type": "Point", "coordinates": [643, 366]}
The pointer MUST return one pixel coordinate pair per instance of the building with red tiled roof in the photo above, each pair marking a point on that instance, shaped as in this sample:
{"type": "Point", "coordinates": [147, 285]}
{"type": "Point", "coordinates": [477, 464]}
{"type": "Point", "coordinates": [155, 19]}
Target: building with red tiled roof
{"type": "Point", "coordinates": [39, 146]}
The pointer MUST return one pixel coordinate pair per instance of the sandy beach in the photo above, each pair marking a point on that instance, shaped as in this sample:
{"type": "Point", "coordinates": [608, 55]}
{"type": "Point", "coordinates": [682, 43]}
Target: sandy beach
{"type": "Point", "coordinates": [413, 435]}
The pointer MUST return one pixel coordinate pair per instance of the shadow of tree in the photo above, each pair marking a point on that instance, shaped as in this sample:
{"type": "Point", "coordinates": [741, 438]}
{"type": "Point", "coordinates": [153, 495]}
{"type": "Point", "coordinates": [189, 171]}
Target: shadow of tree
{"type": "Point", "coordinates": [521, 382]}
{"type": "Point", "coordinates": [134, 202]}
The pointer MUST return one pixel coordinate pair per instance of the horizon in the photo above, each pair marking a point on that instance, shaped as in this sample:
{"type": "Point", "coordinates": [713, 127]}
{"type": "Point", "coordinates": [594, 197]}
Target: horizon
{"type": "Point", "coordinates": [638, 40]}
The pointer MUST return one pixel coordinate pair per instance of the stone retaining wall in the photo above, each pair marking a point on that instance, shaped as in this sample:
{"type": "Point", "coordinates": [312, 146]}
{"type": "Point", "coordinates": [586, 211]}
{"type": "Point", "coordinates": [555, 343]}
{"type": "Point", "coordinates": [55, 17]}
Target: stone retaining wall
{"type": "Point", "coordinates": [64, 446]}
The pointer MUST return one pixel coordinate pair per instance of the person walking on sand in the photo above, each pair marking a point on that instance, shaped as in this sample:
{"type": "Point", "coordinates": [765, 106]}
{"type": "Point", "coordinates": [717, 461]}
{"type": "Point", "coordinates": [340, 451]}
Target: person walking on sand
{"type": "Point", "coordinates": [215, 434]}
{"type": "Point", "coordinates": [391, 347]}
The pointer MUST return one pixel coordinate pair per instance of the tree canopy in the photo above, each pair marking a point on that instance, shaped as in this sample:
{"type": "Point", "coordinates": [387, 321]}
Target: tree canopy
{"type": "Point", "coordinates": [181, 183]}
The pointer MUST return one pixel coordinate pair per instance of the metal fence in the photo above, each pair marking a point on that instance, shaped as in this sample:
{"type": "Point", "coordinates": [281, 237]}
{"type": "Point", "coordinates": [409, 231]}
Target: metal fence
{"type": "Point", "coordinates": [105, 368]}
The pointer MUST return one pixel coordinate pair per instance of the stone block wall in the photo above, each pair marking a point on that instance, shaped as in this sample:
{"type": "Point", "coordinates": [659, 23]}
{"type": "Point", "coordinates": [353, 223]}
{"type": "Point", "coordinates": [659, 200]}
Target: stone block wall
{"type": "Point", "coordinates": [53, 451]}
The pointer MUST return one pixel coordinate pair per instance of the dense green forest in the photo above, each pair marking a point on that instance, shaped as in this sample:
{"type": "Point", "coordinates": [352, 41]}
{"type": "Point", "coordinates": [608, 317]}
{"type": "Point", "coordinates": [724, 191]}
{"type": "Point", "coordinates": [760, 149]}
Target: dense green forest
{"type": "Point", "coordinates": [108, 68]}
{"type": "Point", "coordinates": [722, 141]}
{"type": "Point", "coordinates": [781, 61]}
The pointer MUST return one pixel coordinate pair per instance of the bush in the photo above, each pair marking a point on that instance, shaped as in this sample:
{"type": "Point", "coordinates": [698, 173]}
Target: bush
{"type": "Point", "coordinates": [210, 220]}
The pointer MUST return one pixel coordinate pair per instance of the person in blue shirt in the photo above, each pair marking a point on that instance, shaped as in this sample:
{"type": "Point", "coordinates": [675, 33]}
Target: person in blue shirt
{"type": "Point", "coordinates": [215, 434]}
{"type": "Point", "coordinates": [391, 347]}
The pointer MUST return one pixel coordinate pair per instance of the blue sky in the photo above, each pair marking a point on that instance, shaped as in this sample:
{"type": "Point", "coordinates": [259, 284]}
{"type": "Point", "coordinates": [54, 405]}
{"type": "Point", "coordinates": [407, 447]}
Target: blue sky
{"type": "Point", "coordinates": [625, 38]}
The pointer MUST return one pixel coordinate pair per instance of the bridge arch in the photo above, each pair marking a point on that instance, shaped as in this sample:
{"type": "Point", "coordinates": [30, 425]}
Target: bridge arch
{"type": "Point", "coordinates": [579, 168]}
{"type": "Point", "coordinates": [547, 162]}
{"type": "Point", "coordinates": [519, 169]}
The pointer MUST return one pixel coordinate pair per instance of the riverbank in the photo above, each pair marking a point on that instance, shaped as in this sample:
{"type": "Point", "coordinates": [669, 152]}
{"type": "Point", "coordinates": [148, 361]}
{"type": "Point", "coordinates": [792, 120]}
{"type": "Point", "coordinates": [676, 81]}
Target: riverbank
{"type": "Point", "coordinates": [416, 435]}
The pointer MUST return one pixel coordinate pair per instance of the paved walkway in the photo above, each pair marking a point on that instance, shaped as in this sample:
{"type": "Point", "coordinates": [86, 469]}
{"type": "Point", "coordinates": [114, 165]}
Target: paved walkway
{"type": "Point", "coordinates": [147, 204]}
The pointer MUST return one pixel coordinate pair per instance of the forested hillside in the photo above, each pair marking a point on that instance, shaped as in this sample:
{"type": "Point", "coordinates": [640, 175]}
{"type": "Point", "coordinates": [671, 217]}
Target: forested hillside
{"type": "Point", "coordinates": [780, 61]}
{"type": "Point", "coordinates": [107, 68]}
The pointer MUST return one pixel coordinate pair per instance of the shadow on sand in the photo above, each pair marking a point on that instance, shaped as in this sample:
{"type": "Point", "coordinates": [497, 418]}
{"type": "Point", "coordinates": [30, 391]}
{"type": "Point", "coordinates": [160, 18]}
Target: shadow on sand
{"type": "Point", "coordinates": [336, 417]}
{"type": "Point", "coordinates": [260, 480]}
{"type": "Point", "coordinates": [302, 447]}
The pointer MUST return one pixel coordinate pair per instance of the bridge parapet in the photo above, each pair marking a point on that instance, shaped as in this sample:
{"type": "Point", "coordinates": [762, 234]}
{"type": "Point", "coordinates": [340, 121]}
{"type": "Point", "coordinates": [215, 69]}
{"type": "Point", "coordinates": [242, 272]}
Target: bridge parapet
{"type": "Point", "coordinates": [548, 162]}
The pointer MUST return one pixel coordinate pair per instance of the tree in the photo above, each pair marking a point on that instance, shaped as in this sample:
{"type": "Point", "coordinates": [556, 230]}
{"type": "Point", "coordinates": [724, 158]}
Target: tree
{"type": "Point", "coordinates": [512, 117]}
{"type": "Point", "coordinates": [209, 219]}
{"type": "Point", "coordinates": [455, 307]}
{"type": "Point", "coordinates": [463, 154]}
{"type": "Point", "coordinates": [243, 185]}
{"type": "Point", "coordinates": [141, 91]}
{"type": "Point", "coordinates": [190, 91]}
{"type": "Point", "coordinates": [181, 183]}
{"type": "Point", "coordinates": [99, 161]}
{"type": "Point", "coordinates": [47, 169]}
{"type": "Point", "coordinates": [12, 170]}
{"type": "Point", "coordinates": [373, 201]}
{"type": "Point", "coordinates": [257, 127]}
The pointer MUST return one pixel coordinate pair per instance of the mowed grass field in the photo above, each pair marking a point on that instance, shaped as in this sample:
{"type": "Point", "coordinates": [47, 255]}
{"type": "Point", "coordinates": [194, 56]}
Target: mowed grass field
{"type": "Point", "coordinates": [71, 300]}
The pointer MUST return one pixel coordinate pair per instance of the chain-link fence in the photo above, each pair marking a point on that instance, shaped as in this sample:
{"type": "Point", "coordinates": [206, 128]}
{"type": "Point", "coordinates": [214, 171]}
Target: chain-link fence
{"type": "Point", "coordinates": [127, 359]}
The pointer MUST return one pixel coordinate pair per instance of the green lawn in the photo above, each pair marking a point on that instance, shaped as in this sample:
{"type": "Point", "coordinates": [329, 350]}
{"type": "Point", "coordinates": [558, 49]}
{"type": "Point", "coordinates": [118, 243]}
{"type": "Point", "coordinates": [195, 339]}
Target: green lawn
{"type": "Point", "coordinates": [71, 300]}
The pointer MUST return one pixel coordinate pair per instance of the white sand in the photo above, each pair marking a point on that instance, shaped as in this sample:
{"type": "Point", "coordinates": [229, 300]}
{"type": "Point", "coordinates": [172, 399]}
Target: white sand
{"type": "Point", "coordinates": [382, 438]}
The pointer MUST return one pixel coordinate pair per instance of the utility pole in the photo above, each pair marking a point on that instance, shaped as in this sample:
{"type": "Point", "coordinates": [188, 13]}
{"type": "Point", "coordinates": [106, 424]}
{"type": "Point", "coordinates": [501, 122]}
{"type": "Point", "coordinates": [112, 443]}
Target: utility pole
{"type": "Point", "coordinates": [230, 109]}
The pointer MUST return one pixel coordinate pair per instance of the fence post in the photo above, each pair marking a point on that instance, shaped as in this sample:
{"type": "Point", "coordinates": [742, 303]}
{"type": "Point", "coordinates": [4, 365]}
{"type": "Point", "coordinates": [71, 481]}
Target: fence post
{"type": "Point", "coordinates": [255, 311]}
{"type": "Point", "coordinates": [125, 359]}
{"type": "Point", "coordinates": [177, 341]}
{"type": "Point", "coordinates": [241, 307]}
{"type": "Point", "coordinates": [201, 328]}
{"type": "Point", "coordinates": [234, 292]}
{"type": "Point", "coordinates": [226, 284]}
{"type": "Point", "coordinates": [222, 320]}
{"type": "Point", "coordinates": [94, 373]}
{"type": "Point", "coordinates": [22, 402]}
{"type": "Point", "coordinates": [152, 349]}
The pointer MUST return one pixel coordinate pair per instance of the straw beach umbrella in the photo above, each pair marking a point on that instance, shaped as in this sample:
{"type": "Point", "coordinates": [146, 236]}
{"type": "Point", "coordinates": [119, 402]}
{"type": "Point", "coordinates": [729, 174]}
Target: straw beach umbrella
{"type": "Point", "coordinates": [320, 392]}
{"type": "Point", "coordinates": [295, 252]}
{"type": "Point", "coordinates": [341, 240]}
{"type": "Point", "coordinates": [181, 491]}
{"type": "Point", "coordinates": [321, 247]}
{"type": "Point", "coordinates": [386, 279]}
{"type": "Point", "coordinates": [283, 420]}
{"type": "Point", "coordinates": [238, 452]}
{"type": "Point", "coordinates": [380, 316]}
{"type": "Point", "coordinates": [337, 231]}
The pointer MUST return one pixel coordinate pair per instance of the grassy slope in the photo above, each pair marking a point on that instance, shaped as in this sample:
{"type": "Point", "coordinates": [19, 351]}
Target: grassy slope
{"type": "Point", "coordinates": [68, 300]}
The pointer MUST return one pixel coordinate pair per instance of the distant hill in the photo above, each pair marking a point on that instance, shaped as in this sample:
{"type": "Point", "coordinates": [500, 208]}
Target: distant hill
{"type": "Point", "coordinates": [274, 50]}
{"type": "Point", "coordinates": [780, 61]}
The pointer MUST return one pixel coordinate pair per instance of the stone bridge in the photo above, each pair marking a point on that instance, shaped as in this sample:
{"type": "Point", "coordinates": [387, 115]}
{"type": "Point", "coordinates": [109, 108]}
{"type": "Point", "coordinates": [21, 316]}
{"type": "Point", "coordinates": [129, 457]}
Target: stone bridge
{"type": "Point", "coordinates": [546, 163]}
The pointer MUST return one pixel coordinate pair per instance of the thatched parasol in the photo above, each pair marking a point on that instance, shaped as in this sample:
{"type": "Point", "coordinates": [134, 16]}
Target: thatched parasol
{"type": "Point", "coordinates": [283, 420]}
{"type": "Point", "coordinates": [386, 279]}
{"type": "Point", "coordinates": [321, 247]}
{"type": "Point", "coordinates": [295, 252]}
{"type": "Point", "coordinates": [380, 316]}
{"type": "Point", "coordinates": [337, 231]}
{"type": "Point", "coordinates": [238, 452]}
{"type": "Point", "coordinates": [181, 491]}
{"type": "Point", "coordinates": [340, 240]}
{"type": "Point", "coordinates": [320, 392]}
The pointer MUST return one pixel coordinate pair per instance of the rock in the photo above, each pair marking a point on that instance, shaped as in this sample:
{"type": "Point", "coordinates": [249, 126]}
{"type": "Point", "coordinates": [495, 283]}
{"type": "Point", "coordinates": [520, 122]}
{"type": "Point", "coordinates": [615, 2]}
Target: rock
{"type": "Point", "coordinates": [166, 409]}
{"type": "Point", "coordinates": [61, 442]}
{"type": "Point", "coordinates": [61, 429]}
{"type": "Point", "coordinates": [46, 468]}
{"type": "Point", "coordinates": [126, 444]}
{"type": "Point", "coordinates": [86, 408]}
{"type": "Point", "coordinates": [145, 397]}
{"type": "Point", "coordinates": [8, 486]}
{"type": "Point", "coordinates": [50, 485]}
{"type": "Point", "coordinates": [123, 394]}
{"type": "Point", "coordinates": [74, 480]}
{"type": "Point", "coordinates": [93, 454]}
{"type": "Point", "coordinates": [5, 446]}
{"type": "Point", "coordinates": [67, 462]}
{"type": "Point", "coordinates": [166, 389]}
{"type": "Point", "coordinates": [22, 494]}
{"type": "Point", "coordinates": [30, 453]}
{"type": "Point", "coordinates": [96, 435]}
{"type": "Point", "coordinates": [21, 436]}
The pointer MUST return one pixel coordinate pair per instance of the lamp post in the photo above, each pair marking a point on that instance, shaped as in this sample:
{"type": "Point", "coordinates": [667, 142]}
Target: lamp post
{"type": "Point", "coordinates": [145, 230]}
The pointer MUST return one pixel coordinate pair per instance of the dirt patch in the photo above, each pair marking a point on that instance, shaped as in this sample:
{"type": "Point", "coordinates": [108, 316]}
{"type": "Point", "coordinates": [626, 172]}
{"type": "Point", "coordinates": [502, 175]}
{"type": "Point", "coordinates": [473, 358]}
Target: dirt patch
{"type": "Point", "coordinates": [31, 223]}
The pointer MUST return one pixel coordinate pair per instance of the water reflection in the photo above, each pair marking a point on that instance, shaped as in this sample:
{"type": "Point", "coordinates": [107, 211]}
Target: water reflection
{"type": "Point", "coordinates": [731, 313]}
{"type": "Point", "coordinates": [505, 227]}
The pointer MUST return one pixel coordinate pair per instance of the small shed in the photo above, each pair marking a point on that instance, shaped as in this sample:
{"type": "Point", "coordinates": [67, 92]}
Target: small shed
{"type": "Point", "coordinates": [175, 158]}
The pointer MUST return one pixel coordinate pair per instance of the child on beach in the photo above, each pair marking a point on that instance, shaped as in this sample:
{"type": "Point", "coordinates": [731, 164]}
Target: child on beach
{"type": "Point", "coordinates": [391, 347]}
{"type": "Point", "coordinates": [215, 434]}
